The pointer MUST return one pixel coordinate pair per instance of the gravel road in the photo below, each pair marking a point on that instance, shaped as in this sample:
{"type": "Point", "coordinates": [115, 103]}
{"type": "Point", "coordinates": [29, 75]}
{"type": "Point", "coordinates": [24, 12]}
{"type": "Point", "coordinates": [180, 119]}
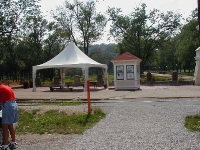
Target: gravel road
{"type": "Point", "coordinates": [138, 124]}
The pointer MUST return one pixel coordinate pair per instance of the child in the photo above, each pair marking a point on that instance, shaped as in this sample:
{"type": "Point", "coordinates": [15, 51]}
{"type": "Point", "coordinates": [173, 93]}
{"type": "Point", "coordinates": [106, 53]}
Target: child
{"type": "Point", "coordinates": [9, 116]}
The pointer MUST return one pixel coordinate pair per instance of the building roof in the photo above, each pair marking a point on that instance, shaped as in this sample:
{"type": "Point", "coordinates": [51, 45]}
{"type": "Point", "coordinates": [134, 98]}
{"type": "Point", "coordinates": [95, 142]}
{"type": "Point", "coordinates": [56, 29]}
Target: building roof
{"type": "Point", "coordinates": [126, 56]}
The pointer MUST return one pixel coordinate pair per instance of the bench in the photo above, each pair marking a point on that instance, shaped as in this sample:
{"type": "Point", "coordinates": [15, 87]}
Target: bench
{"type": "Point", "coordinates": [70, 86]}
{"type": "Point", "coordinates": [54, 87]}
{"type": "Point", "coordinates": [94, 83]}
{"type": "Point", "coordinates": [51, 86]}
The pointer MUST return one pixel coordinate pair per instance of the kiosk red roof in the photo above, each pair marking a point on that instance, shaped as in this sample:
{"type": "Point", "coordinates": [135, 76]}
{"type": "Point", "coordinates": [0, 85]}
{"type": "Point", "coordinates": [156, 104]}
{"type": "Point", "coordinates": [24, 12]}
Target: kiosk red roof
{"type": "Point", "coordinates": [125, 56]}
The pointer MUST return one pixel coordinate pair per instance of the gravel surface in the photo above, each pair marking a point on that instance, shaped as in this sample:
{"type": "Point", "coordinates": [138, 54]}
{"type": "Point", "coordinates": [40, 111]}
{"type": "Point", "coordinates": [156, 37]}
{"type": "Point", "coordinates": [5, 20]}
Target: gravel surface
{"type": "Point", "coordinates": [139, 124]}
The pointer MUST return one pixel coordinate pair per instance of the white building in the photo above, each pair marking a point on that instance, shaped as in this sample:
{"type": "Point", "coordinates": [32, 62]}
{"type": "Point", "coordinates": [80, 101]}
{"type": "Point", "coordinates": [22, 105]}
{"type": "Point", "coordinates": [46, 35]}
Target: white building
{"type": "Point", "coordinates": [197, 68]}
{"type": "Point", "coordinates": [126, 72]}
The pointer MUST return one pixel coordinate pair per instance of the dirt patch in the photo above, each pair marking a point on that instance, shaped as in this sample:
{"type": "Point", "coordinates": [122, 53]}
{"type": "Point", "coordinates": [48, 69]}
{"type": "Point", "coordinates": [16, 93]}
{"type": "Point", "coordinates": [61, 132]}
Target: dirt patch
{"type": "Point", "coordinates": [69, 110]}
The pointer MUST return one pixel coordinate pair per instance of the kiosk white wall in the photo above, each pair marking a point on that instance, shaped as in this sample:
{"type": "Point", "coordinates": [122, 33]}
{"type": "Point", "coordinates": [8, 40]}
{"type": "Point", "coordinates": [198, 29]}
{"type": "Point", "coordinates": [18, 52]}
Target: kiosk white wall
{"type": "Point", "coordinates": [197, 67]}
{"type": "Point", "coordinates": [126, 72]}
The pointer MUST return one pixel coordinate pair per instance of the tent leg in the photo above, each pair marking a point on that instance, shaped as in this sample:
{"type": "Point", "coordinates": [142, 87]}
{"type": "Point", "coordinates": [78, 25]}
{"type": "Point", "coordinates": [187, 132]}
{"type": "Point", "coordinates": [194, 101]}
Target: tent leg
{"type": "Point", "coordinates": [34, 77]}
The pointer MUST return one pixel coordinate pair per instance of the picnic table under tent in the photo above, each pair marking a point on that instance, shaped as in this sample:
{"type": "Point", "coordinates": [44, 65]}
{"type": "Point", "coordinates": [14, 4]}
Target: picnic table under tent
{"type": "Point", "coordinates": [71, 57]}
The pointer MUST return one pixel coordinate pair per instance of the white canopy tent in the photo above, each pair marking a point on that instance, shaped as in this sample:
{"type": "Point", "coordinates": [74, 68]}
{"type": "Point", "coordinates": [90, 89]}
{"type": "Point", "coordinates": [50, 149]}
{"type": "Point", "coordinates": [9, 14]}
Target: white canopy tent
{"type": "Point", "coordinates": [70, 57]}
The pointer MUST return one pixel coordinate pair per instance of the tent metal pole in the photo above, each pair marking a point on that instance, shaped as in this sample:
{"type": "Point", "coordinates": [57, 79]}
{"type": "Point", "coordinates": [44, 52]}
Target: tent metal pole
{"type": "Point", "coordinates": [34, 77]}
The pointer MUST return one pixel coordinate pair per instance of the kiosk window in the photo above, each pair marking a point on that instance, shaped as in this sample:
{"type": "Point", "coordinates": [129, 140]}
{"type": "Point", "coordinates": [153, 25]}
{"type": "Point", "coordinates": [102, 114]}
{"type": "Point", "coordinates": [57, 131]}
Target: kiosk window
{"type": "Point", "coordinates": [130, 72]}
{"type": "Point", "coordinates": [120, 72]}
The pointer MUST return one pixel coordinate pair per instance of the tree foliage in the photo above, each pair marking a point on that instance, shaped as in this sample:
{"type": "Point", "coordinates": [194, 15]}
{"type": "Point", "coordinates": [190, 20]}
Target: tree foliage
{"type": "Point", "coordinates": [80, 22]}
{"type": "Point", "coordinates": [103, 53]}
{"type": "Point", "coordinates": [12, 14]}
{"type": "Point", "coordinates": [187, 42]}
{"type": "Point", "coordinates": [140, 33]}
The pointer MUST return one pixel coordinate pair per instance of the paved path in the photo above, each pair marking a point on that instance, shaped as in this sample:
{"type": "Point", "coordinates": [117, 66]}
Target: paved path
{"type": "Point", "coordinates": [102, 94]}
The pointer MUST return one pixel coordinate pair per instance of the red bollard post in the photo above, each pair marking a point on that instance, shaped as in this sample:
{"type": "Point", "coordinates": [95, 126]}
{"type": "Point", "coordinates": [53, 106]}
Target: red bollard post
{"type": "Point", "coordinates": [88, 96]}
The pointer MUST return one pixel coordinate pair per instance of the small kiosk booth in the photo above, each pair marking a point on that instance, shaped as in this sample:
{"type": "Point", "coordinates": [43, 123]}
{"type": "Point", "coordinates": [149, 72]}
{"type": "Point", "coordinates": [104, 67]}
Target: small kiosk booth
{"type": "Point", "coordinates": [126, 72]}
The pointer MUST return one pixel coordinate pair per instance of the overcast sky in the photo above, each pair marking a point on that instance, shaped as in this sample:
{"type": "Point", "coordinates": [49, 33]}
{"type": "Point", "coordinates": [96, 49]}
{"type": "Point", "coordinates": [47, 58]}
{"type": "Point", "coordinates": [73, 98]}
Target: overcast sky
{"type": "Point", "coordinates": [182, 6]}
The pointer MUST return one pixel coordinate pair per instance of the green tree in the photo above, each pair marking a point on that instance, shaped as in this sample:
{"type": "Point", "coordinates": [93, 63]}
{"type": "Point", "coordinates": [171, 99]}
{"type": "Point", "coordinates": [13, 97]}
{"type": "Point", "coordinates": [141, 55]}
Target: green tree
{"type": "Point", "coordinates": [168, 59]}
{"type": "Point", "coordinates": [35, 30]}
{"type": "Point", "coordinates": [141, 33]}
{"type": "Point", "coordinates": [103, 53]}
{"type": "Point", "coordinates": [30, 47]}
{"type": "Point", "coordinates": [80, 22]}
{"type": "Point", "coordinates": [53, 44]}
{"type": "Point", "coordinates": [187, 42]}
{"type": "Point", "coordinates": [12, 15]}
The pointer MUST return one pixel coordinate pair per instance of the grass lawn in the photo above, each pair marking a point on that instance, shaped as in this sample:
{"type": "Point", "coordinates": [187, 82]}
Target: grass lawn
{"type": "Point", "coordinates": [54, 121]}
{"type": "Point", "coordinates": [192, 123]}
